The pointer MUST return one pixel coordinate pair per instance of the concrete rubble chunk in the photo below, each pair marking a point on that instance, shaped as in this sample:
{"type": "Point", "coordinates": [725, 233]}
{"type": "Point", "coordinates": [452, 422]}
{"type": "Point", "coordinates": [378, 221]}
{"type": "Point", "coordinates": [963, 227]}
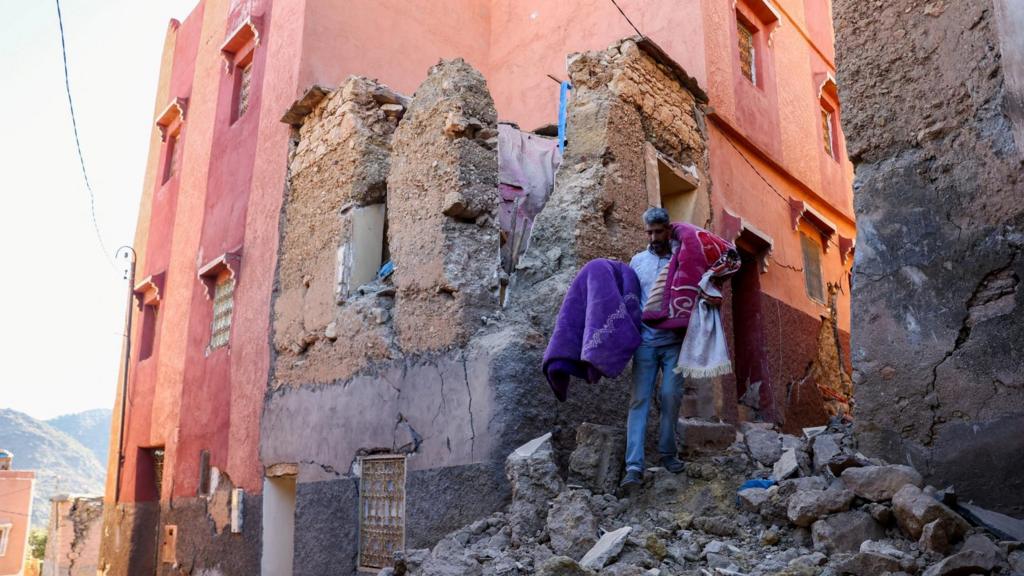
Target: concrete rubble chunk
{"type": "Point", "coordinates": [963, 564]}
{"type": "Point", "coordinates": [1004, 526]}
{"type": "Point", "coordinates": [934, 537]}
{"type": "Point", "coordinates": [596, 463]}
{"type": "Point", "coordinates": [863, 563]}
{"type": "Point", "coordinates": [753, 498]}
{"type": "Point", "coordinates": [696, 436]}
{"type": "Point", "coordinates": [562, 566]}
{"type": "Point", "coordinates": [805, 507]}
{"type": "Point", "coordinates": [764, 445]}
{"type": "Point", "coordinates": [533, 475]}
{"type": "Point", "coordinates": [786, 466]}
{"type": "Point", "coordinates": [845, 532]}
{"type": "Point", "coordinates": [571, 524]}
{"type": "Point", "coordinates": [606, 549]}
{"type": "Point", "coordinates": [824, 447]}
{"type": "Point", "coordinates": [880, 483]}
{"type": "Point", "coordinates": [914, 510]}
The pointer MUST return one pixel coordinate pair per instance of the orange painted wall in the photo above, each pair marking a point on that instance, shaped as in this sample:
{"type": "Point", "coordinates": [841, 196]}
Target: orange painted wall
{"type": "Point", "coordinates": [16, 510]}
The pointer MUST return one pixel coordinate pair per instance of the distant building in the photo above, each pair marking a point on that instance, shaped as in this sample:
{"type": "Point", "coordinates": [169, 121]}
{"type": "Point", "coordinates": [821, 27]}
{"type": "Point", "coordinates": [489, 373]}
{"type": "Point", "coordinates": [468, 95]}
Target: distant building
{"type": "Point", "coordinates": [15, 514]}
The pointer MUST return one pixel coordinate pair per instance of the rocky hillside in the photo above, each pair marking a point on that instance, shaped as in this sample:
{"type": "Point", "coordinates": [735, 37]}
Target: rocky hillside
{"type": "Point", "coordinates": [91, 428]}
{"type": "Point", "coordinates": [757, 503]}
{"type": "Point", "coordinates": [62, 464]}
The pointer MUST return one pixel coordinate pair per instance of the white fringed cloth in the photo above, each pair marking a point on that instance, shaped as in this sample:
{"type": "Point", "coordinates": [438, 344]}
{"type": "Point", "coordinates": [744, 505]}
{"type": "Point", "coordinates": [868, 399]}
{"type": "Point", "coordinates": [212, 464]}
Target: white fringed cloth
{"type": "Point", "coordinates": [704, 353]}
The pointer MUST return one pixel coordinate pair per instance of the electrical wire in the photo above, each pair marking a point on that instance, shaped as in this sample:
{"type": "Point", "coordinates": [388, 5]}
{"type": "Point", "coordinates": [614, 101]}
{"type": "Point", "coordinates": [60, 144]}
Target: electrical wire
{"type": "Point", "coordinates": [616, 4]}
{"type": "Point", "coordinates": [78, 144]}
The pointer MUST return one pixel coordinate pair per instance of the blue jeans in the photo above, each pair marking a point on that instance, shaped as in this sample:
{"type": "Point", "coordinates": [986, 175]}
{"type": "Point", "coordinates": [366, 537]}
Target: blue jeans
{"type": "Point", "coordinates": [647, 361]}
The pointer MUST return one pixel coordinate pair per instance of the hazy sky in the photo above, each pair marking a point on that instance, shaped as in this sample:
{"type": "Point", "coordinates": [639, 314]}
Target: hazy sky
{"type": "Point", "coordinates": [61, 303]}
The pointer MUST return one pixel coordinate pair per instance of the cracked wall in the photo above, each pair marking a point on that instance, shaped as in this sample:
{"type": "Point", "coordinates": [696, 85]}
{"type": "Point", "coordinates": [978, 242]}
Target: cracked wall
{"type": "Point", "coordinates": [931, 93]}
{"type": "Point", "coordinates": [456, 383]}
{"type": "Point", "coordinates": [73, 536]}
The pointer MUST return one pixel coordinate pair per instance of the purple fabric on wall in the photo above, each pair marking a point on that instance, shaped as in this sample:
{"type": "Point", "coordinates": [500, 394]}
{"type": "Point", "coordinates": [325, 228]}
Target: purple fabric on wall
{"type": "Point", "coordinates": [598, 326]}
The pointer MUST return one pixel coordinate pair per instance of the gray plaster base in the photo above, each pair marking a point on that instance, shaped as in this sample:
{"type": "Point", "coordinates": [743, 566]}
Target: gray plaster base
{"type": "Point", "coordinates": [437, 501]}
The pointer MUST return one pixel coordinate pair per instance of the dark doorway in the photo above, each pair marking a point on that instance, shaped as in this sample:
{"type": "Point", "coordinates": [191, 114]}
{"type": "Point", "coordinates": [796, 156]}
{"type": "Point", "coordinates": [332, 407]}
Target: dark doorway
{"type": "Point", "coordinates": [753, 381]}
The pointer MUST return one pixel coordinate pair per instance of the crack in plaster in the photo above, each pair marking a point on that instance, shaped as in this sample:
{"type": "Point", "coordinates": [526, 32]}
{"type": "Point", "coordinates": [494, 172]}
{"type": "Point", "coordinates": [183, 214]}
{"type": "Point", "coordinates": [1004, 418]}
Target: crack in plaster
{"type": "Point", "coordinates": [472, 427]}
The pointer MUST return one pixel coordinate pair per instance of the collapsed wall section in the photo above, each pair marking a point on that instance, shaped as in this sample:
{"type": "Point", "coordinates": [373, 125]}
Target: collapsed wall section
{"type": "Point", "coordinates": [327, 326]}
{"type": "Point", "coordinates": [938, 326]}
{"type": "Point", "coordinates": [442, 206]}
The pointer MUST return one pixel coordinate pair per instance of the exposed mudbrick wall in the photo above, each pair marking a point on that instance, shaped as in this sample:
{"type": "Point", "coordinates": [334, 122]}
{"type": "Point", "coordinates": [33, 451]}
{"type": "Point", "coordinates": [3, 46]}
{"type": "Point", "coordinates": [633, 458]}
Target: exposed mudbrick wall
{"type": "Point", "coordinates": [73, 537]}
{"type": "Point", "coordinates": [929, 92]}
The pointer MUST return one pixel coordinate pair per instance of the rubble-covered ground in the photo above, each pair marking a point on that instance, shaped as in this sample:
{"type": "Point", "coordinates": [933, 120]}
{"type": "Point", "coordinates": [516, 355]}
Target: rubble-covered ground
{"type": "Point", "coordinates": [820, 508]}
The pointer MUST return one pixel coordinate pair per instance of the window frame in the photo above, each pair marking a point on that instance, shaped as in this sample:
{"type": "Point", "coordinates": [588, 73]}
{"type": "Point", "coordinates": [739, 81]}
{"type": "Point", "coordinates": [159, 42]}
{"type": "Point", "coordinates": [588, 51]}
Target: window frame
{"type": "Point", "coordinates": [742, 22]}
{"type": "Point", "coordinates": [811, 243]}
{"type": "Point", "coordinates": [5, 537]}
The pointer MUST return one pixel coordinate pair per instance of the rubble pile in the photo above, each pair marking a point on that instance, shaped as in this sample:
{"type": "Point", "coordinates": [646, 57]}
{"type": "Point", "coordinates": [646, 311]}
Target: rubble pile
{"type": "Point", "coordinates": [768, 504]}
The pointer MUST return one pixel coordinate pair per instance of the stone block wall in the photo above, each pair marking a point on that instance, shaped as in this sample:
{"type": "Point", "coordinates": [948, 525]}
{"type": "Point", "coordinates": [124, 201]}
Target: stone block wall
{"type": "Point", "coordinates": [324, 329]}
{"type": "Point", "coordinates": [938, 327]}
{"type": "Point", "coordinates": [442, 206]}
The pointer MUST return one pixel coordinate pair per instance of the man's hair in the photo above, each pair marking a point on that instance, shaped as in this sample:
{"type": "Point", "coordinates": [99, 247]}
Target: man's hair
{"type": "Point", "coordinates": [656, 215]}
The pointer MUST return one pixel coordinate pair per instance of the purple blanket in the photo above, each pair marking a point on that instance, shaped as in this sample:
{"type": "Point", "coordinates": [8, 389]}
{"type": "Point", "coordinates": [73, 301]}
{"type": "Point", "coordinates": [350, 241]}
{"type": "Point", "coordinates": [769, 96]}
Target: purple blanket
{"type": "Point", "coordinates": [598, 327]}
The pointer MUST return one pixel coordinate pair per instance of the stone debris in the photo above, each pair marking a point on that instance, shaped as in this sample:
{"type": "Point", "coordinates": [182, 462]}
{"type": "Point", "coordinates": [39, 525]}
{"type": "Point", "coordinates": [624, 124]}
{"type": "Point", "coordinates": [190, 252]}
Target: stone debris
{"type": "Point", "coordinates": [879, 483]}
{"type": "Point", "coordinates": [873, 519]}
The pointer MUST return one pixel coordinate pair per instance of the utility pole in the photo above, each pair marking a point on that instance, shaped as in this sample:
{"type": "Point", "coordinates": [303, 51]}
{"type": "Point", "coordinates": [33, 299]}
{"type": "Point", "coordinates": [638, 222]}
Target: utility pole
{"type": "Point", "coordinates": [129, 253]}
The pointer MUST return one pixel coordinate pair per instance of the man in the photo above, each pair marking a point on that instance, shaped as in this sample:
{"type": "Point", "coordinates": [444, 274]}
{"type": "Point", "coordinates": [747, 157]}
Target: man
{"type": "Point", "coordinates": [659, 351]}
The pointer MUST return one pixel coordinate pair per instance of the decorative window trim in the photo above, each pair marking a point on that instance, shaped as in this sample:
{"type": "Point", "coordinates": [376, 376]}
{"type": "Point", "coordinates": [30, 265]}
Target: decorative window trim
{"type": "Point", "coordinates": [231, 262]}
{"type": "Point", "coordinates": [828, 87]}
{"type": "Point", "coordinates": [148, 291]}
{"type": "Point", "coordinates": [847, 246]}
{"type": "Point", "coordinates": [735, 228]}
{"type": "Point", "coordinates": [800, 210]}
{"type": "Point", "coordinates": [828, 99]}
{"type": "Point", "coordinates": [242, 41]}
{"type": "Point", "coordinates": [172, 117]}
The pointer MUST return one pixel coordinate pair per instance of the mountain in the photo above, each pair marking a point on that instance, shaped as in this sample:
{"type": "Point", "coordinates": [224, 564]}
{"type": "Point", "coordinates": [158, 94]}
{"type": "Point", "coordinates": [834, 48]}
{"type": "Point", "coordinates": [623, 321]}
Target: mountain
{"type": "Point", "coordinates": [91, 428]}
{"type": "Point", "coordinates": [62, 464]}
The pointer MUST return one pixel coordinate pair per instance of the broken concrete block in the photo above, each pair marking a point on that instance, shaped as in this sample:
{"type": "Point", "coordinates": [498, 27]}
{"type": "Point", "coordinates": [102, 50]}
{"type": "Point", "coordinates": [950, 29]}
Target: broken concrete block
{"type": "Point", "coordinates": [597, 461]}
{"type": "Point", "coordinates": [562, 566]}
{"type": "Point", "coordinates": [845, 532]}
{"type": "Point", "coordinates": [764, 445]}
{"type": "Point", "coordinates": [879, 483]}
{"type": "Point", "coordinates": [807, 506]}
{"type": "Point", "coordinates": [934, 537]}
{"type": "Point", "coordinates": [914, 510]}
{"type": "Point", "coordinates": [533, 475]}
{"type": "Point", "coordinates": [752, 498]}
{"type": "Point", "coordinates": [968, 562]}
{"type": "Point", "coordinates": [607, 548]}
{"type": "Point", "coordinates": [869, 563]}
{"type": "Point", "coordinates": [786, 466]}
{"type": "Point", "coordinates": [571, 524]}
{"type": "Point", "coordinates": [825, 447]}
{"type": "Point", "coordinates": [704, 436]}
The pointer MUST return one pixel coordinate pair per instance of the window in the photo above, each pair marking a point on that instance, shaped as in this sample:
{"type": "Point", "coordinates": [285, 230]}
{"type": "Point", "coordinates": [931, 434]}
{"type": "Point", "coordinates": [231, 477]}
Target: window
{"type": "Point", "coordinates": [828, 132]}
{"type": "Point", "coordinates": [381, 510]}
{"type": "Point", "coordinates": [204, 473]}
{"type": "Point", "coordinates": [238, 50]}
{"type": "Point", "coordinates": [223, 307]}
{"type": "Point", "coordinates": [149, 474]}
{"type": "Point", "coordinates": [148, 335]}
{"type": "Point", "coordinates": [748, 51]}
{"type": "Point", "coordinates": [812, 267]}
{"type": "Point", "coordinates": [5, 533]}
{"type": "Point", "coordinates": [171, 158]}
{"type": "Point", "coordinates": [243, 82]}
{"type": "Point", "coordinates": [364, 250]}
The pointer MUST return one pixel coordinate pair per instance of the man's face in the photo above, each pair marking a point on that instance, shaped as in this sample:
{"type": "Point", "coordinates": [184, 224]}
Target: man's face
{"type": "Point", "coordinates": [659, 236]}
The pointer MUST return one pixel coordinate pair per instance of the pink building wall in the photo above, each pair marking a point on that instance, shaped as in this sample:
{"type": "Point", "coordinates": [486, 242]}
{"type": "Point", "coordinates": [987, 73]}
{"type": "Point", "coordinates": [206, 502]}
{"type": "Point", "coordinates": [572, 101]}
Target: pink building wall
{"type": "Point", "coordinates": [16, 512]}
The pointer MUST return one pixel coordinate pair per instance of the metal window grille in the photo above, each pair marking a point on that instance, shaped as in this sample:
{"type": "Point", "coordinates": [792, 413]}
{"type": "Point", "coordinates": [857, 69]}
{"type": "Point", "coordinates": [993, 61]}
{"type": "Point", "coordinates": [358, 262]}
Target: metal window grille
{"type": "Point", "coordinates": [381, 510]}
{"type": "Point", "coordinates": [5, 532]}
{"type": "Point", "coordinates": [173, 156]}
{"type": "Point", "coordinates": [826, 127]}
{"type": "Point", "coordinates": [158, 470]}
{"type": "Point", "coordinates": [812, 267]}
{"type": "Point", "coordinates": [223, 307]}
{"type": "Point", "coordinates": [748, 61]}
{"type": "Point", "coordinates": [243, 90]}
